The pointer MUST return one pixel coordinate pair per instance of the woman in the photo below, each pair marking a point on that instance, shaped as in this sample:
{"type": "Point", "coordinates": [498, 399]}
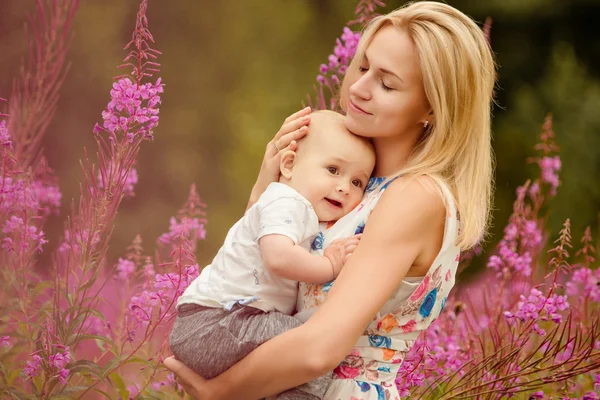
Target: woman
{"type": "Point", "coordinates": [421, 87]}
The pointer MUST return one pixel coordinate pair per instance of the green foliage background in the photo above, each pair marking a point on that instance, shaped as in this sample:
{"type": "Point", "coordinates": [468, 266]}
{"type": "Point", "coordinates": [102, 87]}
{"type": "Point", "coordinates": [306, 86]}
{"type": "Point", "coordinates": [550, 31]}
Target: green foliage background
{"type": "Point", "coordinates": [235, 69]}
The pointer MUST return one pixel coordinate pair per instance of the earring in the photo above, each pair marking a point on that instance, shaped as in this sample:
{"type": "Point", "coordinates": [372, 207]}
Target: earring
{"type": "Point", "coordinates": [425, 124]}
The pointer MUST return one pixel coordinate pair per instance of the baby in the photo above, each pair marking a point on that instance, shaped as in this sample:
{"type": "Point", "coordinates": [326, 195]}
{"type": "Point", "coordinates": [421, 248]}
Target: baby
{"type": "Point", "coordinates": [248, 293]}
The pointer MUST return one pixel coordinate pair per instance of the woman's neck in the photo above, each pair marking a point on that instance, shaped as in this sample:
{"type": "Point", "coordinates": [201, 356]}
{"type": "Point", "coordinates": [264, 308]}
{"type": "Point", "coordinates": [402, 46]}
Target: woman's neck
{"type": "Point", "coordinates": [392, 154]}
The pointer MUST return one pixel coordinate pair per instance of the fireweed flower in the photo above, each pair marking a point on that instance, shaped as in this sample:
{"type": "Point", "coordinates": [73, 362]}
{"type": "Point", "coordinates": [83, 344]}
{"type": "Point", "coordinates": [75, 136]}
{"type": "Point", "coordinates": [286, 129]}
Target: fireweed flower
{"type": "Point", "coordinates": [77, 241]}
{"type": "Point", "coordinates": [191, 228]}
{"type": "Point", "coordinates": [33, 367]}
{"type": "Point", "coordinates": [26, 235]}
{"type": "Point", "coordinates": [130, 181]}
{"type": "Point", "coordinates": [550, 167]}
{"type": "Point", "coordinates": [124, 268]}
{"type": "Point", "coordinates": [4, 136]}
{"type": "Point", "coordinates": [5, 341]}
{"type": "Point", "coordinates": [537, 395]}
{"type": "Point", "coordinates": [537, 307]}
{"type": "Point", "coordinates": [47, 195]}
{"type": "Point", "coordinates": [60, 360]}
{"type": "Point", "coordinates": [63, 375]}
{"type": "Point", "coordinates": [132, 111]}
{"type": "Point", "coordinates": [585, 282]}
{"type": "Point", "coordinates": [16, 195]}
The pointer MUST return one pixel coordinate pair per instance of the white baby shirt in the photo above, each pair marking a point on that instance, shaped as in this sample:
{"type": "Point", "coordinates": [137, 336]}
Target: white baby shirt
{"type": "Point", "coordinates": [237, 273]}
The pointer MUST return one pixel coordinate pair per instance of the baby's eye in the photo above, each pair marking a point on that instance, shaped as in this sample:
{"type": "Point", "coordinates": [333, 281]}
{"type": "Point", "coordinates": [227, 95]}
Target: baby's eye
{"type": "Point", "coordinates": [332, 170]}
{"type": "Point", "coordinates": [357, 183]}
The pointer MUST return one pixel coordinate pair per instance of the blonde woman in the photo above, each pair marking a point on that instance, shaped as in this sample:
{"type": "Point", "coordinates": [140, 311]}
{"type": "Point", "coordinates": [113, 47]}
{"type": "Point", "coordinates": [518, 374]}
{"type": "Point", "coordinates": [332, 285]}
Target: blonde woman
{"type": "Point", "coordinates": [421, 87]}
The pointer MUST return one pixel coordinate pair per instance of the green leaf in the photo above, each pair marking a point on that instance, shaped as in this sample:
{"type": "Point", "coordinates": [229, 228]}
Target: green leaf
{"type": "Point", "coordinates": [102, 393]}
{"type": "Point", "coordinates": [120, 385]}
{"type": "Point", "coordinates": [113, 347]}
{"type": "Point", "coordinates": [12, 375]}
{"type": "Point", "coordinates": [86, 366]}
{"type": "Point", "coordinates": [75, 389]}
{"type": "Point", "coordinates": [135, 359]}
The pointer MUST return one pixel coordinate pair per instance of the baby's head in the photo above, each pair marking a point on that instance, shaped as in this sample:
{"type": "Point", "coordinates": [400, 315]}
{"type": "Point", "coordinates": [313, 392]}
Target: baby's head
{"type": "Point", "coordinates": [331, 166]}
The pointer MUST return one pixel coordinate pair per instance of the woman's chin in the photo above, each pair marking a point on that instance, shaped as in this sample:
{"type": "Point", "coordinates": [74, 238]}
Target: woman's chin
{"type": "Point", "coordinates": [358, 128]}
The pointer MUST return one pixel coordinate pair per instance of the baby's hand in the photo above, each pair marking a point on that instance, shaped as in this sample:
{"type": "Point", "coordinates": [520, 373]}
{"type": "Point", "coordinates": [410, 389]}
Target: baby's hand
{"type": "Point", "coordinates": [339, 251]}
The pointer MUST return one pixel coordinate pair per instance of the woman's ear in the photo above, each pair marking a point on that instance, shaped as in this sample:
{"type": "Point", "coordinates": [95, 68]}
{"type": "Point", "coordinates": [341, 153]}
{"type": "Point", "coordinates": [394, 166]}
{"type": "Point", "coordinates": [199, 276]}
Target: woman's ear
{"type": "Point", "coordinates": [286, 165]}
{"type": "Point", "coordinates": [430, 117]}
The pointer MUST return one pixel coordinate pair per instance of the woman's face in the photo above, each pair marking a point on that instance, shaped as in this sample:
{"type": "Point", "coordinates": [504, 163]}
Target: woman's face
{"type": "Point", "coordinates": [386, 96]}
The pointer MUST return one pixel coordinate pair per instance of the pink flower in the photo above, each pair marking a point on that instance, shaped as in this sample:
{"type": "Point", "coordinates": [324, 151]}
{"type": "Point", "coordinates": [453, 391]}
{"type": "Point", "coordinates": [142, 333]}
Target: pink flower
{"type": "Point", "coordinates": [33, 367]}
{"type": "Point", "coordinates": [63, 375]}
{"type": "Point", "coordinates": [4, 136]}
{"type": "Point", "coordinates": [125, 268]}
{"type": "Point", "coordinates": [5, 341]}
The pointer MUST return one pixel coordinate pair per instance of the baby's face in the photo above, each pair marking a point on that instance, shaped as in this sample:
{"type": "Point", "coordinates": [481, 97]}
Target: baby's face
{"type": "Point", "coordinates": [333, 170]}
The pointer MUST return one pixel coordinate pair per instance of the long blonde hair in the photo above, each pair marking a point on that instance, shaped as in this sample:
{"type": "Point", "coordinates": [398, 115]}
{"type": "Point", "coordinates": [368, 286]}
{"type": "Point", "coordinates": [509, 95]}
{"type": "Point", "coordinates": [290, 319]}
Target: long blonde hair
{"type": "Point", "coordinates": [458, 72]}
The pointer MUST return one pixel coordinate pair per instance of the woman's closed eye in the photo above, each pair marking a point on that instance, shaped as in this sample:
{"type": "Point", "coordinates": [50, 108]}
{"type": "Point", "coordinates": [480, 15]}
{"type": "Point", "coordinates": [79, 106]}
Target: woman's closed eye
{"type": "Point", "coordinates": [385, 87]}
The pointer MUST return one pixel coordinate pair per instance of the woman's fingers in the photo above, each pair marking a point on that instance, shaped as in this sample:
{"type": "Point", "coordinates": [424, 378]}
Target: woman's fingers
{"type": "Point", "coordinates": [292, 126]}
{"type": "Point", "coordinates": [185, 376]}
{"type": "Point", "coordinates": [288, 138]}
{"type": "Point", "coordinates": [298, 114]}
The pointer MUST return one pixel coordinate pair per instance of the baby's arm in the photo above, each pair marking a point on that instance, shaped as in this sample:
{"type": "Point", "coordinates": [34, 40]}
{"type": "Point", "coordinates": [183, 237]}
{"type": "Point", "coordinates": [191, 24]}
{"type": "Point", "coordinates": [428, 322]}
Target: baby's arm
{"type": "Point", "coordinates": [288, 260]}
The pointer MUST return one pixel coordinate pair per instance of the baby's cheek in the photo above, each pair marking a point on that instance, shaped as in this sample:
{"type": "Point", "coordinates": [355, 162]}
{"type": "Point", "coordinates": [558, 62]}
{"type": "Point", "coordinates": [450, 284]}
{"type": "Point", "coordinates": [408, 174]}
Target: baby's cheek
{"type": "Point", "coordinates": [356, 198]}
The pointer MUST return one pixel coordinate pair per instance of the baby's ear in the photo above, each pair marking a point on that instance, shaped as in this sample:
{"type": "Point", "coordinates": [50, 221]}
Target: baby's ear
{"type": "Point", "coordinates": [286, 165]}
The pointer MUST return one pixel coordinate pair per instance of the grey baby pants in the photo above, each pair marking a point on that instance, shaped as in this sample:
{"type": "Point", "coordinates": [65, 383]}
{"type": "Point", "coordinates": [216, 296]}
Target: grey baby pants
{"type": "Point", "coordinates": [211, 340]}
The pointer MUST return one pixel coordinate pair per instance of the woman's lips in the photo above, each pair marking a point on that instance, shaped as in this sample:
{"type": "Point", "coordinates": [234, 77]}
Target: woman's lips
{"type": "Point", "coordinates": [356, 108]}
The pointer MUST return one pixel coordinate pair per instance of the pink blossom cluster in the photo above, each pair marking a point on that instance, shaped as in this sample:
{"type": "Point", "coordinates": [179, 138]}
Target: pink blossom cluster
{"type": "Point", "coordinates": [131, 179]}
{"type": "Point", "coordinates": [521, 241]}
{"type": "Point", "coordinates": [345, 48]}
{"type": "Point", "coordinates": [550, 167]}
{"type": "Point", "coordinates": [4, 136]}
{"type": "Point", "coordinates": [77, 240]}
{"type": "Point", "coordinates": [132, 112]}
{"type": "Point", "coordinates": [20, 236]}
{"type": "Point", "coordinates": [190, 227]}
{"type": "Point", "coordinates": [48, 196]}
{"type": "Point", "coordinates": [508, 258]}
{"type": "Point", "coordinates": [16, 194]}
{"type": "Point", "coordinates": [57, 363]}
{"type": "Point", "coordinates": [585, 283]}
{"type": "Point", "coordinates": [539, 307]}
{"type": "Point", "coordinates": [440, 351]}
{"type": "Point", "coordinates": [124, 268]}
{"type": "Point", "coordinates": [168, 287]}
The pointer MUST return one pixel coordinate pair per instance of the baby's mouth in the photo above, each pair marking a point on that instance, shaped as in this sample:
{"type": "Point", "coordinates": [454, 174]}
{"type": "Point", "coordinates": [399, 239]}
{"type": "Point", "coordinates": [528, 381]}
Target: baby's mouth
{"type": "Point", "coordinates": [334, 203]}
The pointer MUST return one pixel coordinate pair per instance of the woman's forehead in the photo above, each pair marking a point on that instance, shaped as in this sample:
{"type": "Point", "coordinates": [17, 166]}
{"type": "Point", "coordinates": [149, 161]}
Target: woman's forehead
{"type": "Point", "coordinates": [391, 48]}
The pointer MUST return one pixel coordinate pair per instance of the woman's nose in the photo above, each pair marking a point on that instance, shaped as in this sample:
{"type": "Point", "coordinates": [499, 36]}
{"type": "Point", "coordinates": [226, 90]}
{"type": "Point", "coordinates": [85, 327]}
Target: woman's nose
{"type": "Point", "coordinates": [360, 89]}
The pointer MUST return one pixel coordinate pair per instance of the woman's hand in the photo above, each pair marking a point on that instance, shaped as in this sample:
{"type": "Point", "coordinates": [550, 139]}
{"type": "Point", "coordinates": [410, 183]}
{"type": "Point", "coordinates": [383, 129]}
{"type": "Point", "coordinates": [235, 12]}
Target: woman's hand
{"type": "Point", "coordinates": [193, 384]}
{"type": "Point", "coordinates": [293, 128]}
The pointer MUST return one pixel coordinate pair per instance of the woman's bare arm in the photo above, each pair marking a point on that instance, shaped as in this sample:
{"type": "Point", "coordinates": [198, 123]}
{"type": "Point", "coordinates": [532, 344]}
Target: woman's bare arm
{"type": "Point", "coordinates": [403, 224]}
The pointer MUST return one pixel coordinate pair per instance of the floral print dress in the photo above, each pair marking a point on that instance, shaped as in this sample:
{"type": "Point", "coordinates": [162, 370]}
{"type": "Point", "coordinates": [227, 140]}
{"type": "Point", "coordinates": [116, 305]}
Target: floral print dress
{"type": "Point", "coordinates": [369, 371]}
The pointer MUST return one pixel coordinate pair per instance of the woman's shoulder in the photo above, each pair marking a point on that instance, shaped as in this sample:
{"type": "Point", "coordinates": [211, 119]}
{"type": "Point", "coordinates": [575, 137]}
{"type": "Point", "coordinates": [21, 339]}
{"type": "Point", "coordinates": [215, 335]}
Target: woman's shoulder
{"type": "Point", "coordinates": [406, 194]}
